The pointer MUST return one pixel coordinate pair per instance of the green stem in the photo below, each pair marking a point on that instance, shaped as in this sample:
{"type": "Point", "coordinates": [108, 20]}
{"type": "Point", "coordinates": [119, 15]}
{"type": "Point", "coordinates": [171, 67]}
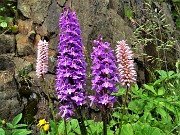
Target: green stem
{"type": "Point", "coordinates": [104, 118]}
{"type": "Point", "coordinates": [81, 121]}
{"type": "Point", "coordinates": [124, 109]}
{"type": "Point", "coordinates": [65, 127]}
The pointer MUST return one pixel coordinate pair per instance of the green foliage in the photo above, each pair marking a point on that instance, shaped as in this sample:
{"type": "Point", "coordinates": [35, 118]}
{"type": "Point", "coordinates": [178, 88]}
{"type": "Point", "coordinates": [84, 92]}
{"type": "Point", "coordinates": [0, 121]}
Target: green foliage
{"type": "Point", "coordinates": [128, 12]}
{"type": "Point", "coordinates": [94, 128]}
{"type": "Point", "coordinates": [72, 127]}
{"type": "Point", "coordinates": [7, 13]}
{"type": "Point", "coordinates": [120, 91]}
{"type": "Point", "coordinates": [155, 37]}
{"type": "Point", "coordinates": [140, 129]}
{"type": "Point", "coordinates": [153, 109]}
{"type": "Point", "coordinates": [175, 0]}
{"type": "Point", "coordinates": [25, 79]}
{"type": "Point", "coordinates": [14, 128]}
{"type": "Point", "coordinates": [127, 130]}
{"type": "Point", "coordinates": [176, 12]}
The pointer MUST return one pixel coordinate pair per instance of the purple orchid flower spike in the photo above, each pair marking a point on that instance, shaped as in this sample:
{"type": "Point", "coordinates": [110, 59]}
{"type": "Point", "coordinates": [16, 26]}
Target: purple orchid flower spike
{"type": "Point", "coordinates": [104, 73]}
{"type": "Point", "coordinates": [71, 67]}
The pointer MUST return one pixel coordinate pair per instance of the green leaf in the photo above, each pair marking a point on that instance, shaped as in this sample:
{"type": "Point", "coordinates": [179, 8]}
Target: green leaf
{"type": "Point", "coordinates": [53, 127]}
{"type": "Point", "coordinates": [21, 132]}
{"type": "Point", "coordinates": [146, 116]}
{"type": "Point", "coordinates": [61, 127]}
{"type": "Point", "coordinates": [164, 115]}
{"type": "Point", "coordinates": [150, 104]}
{"type": "Point", "coordinates": [2, 9]}
{"type": "Point", "coordinates": [138, 133]}
{"type": "Point", "coordinates": [128, 12]}
{"type": "Point", "coordinates": [112, 123]}
{"type": "Point", "coordinates": [74, 124]}
{"type": "Point", "coordinates": [120, 91]}
{"type": "Point", "coordinates": [68, 127]}
{"type": "Point", "coordinates": [99, 127]}
{"type": "Point", "coordinates": [20, 125]}
{"type": "Point", "coordinates": [77, 130]}
{"type": "Point", "coordinates": [17, 119]}
{"type": "Point", "coordinates": [14, 29]}
{"type": "Point", "coordinates": [161, 91]}
{"type": "Point", "coordinates": [178, 23]}
{"type": "Point", "coordinates": [162, 73]}
{"type": "Point", "coordinates": [9, 125]}
{"type": "Point", "coordinates": [171, 73]}
{"type": "Point", "coordinates": [127, 130]}
{"type": "Point", "coordinates": [132, 117]}
{"type": "Point", "coordinates": [116, 115]}
{"type": "Point", "coordinates": [170, 107]}
{"type": "Point", "coordinates": [158, 81]}
{"type": "Point", "coordinates": [136, 106]}
{"type": "Point", "coordinates": [3, 24]}
{"type": "Point", "coordinates": [91, 126]}
{"type": "Point", "coordinates": [137, 128]}
{"type": "Point", "coordinates": [175, 0]}
{"type": "Point", "coordinates": [135, 89]}
{"type": "Point", "coordinates": [110, 132]}
{"type": "Point", "coordinates": [2, 19]}
{"type": "Point", "coordinates": [71, 133]}
{"type": "Point", "coordinates": [9, 19]}
{"type": "Point", "coordinates": [148, 130]}
{"type": "Point", "coordinates": [2, 132]}
{"type": "Point", "coordinates": [150, 87]}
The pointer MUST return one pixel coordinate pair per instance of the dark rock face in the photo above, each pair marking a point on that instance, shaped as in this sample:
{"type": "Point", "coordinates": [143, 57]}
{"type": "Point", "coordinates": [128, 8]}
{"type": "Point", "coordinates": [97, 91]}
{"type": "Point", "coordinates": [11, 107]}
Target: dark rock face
{"type": "Point", "coordinates": [34, 9]}
{"type": "Point", "coordinates": [10, 105]}
{"type": "Point", "coordinates": [23, 38]}
{"type": "Point", "coordinates": [7, 44]}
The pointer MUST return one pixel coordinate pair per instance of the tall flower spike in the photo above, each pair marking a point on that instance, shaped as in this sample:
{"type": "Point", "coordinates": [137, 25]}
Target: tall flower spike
{"type": "Point", "coordinates": [42, 58]}
{"type": "Point", "coordinates": [125, 63]}
{"type": "Point", "coordinates": [71, 68]}
{"type": "Point", "coordinates": [104, 73]}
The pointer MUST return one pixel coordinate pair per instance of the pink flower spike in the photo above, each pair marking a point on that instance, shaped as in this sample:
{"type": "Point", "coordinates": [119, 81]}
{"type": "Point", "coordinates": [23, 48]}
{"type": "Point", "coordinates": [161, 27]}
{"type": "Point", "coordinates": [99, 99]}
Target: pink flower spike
{"type": "Point", "coordinates": [125, 63]}
{"type": "Point", "coordinates": [42, 58]}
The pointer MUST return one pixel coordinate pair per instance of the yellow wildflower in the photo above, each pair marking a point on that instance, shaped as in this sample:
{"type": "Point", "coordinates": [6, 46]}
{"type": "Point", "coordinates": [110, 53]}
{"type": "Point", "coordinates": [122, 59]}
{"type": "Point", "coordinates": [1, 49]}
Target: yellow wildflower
{"type": "Point", "coordinates": [46, 127]}
{"type": "Point", "coordinates": [3, 122]}
{"type": "Point", "coordinates": [41, 122]}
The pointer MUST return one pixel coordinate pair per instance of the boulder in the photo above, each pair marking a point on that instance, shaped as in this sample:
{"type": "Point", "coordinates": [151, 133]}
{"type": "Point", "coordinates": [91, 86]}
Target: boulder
{"type": "Point", "coordinates": [7, 43]}
{"type": "Point", "coordinates": [21, 64]}
{"type": "Point", "coordinates": [34, 9]}
{"type": "Point", "coordinates": [23, 38]}
{"type": "Point", "coordinates": [10, 105]}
